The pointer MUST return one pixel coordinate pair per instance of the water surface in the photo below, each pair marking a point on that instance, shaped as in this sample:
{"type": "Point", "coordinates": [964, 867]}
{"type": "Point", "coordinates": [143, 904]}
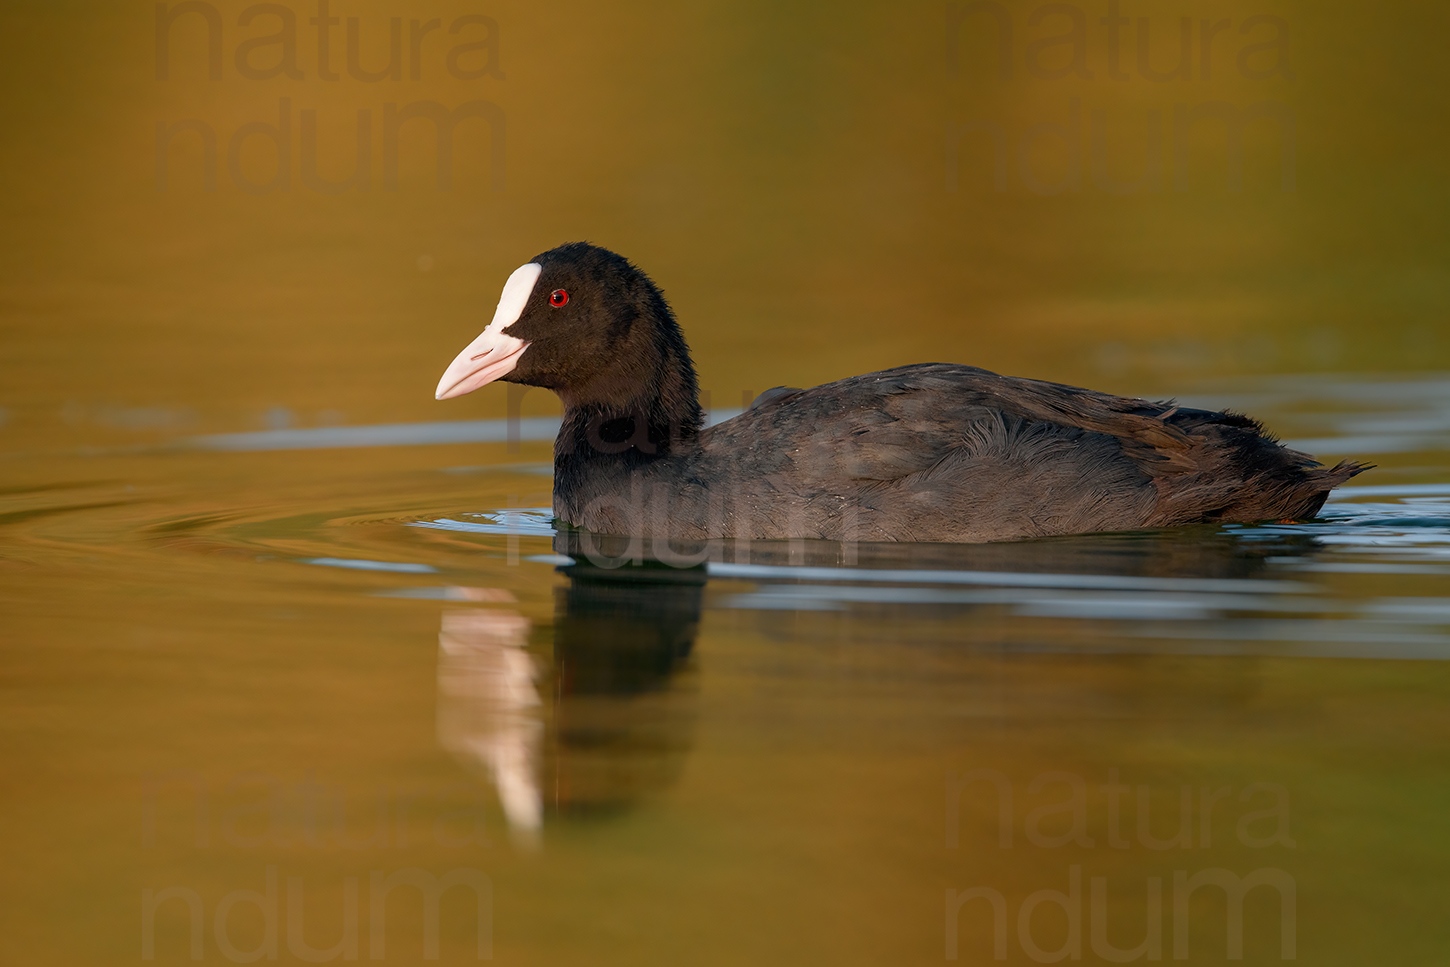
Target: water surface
{"type": "Point", "coordinates": [238, 661]}
{"type": "Point", "coordinates": [276, 623]}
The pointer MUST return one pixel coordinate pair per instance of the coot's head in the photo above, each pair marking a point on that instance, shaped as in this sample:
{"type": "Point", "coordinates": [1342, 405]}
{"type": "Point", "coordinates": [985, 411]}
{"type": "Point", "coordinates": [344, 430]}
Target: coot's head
{"type": "Point", "coordinates": [585, 323]}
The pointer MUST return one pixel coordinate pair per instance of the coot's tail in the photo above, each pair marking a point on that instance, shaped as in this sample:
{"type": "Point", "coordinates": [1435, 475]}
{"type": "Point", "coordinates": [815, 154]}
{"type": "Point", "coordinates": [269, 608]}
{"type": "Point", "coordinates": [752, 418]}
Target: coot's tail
{"type": "Point", "coordinates": [1240, 473]}
{"type": "Point", "coordinates": [1313, 489]}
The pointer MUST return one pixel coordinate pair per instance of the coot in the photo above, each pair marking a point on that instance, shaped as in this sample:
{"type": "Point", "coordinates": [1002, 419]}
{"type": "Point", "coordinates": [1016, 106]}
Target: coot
{"type": "Point", "coordinates": [929, 452]}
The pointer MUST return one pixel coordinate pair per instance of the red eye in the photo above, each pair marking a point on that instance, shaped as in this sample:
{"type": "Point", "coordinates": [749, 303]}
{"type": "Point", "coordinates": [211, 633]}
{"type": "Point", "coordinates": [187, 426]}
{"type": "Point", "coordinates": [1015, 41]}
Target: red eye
{"type": "Point", "coordinates": [558, 298]}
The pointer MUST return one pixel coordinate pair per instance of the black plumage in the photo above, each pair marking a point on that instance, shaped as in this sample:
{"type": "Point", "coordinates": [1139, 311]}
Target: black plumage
{"type": "Point", "coordinates": [928, 452]}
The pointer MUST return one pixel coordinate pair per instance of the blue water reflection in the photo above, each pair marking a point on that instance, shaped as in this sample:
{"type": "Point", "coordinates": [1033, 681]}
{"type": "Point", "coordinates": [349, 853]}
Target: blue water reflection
{"type": "Point", "coordinates": [1217, 590]}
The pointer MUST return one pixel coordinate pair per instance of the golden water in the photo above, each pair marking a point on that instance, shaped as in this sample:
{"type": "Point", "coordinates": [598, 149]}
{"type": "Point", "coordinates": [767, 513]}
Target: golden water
{"type": "Point", "coordinates": [262, 643]}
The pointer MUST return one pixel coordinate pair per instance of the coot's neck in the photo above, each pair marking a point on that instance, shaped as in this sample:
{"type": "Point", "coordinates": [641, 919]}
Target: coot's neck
{"type": "Point", "coordinates": [645, 409]}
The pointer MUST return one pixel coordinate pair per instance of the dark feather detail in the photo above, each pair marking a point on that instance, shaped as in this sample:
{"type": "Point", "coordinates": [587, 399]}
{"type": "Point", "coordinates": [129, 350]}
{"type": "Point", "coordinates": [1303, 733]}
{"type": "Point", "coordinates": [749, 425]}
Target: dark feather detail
{"type": "Point", "coordinates": [930, 452]}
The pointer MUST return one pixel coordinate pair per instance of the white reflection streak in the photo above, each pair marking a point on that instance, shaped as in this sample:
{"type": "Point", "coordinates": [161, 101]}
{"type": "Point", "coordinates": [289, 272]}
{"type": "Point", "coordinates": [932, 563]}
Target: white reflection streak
{"type": "Point", "coordinates": [488, 706]}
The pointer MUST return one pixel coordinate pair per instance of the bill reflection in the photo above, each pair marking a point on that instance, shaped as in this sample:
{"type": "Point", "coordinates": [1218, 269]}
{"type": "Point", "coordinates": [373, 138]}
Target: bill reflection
{"type": "Point", "coordinates": [489, 707]}
{"type": "Point", "coordinates": [596, 724]}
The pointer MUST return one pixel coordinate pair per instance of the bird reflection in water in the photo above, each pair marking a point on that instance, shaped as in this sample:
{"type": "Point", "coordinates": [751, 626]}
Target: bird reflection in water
{"type": "Point", "coordinates": [603, 719]}
{"type": "Point", "coordinates": [598, 726]}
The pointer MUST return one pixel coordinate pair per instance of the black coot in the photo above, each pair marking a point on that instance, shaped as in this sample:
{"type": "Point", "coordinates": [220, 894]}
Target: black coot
{"type": "Point", "coordinates": [929, 452]}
